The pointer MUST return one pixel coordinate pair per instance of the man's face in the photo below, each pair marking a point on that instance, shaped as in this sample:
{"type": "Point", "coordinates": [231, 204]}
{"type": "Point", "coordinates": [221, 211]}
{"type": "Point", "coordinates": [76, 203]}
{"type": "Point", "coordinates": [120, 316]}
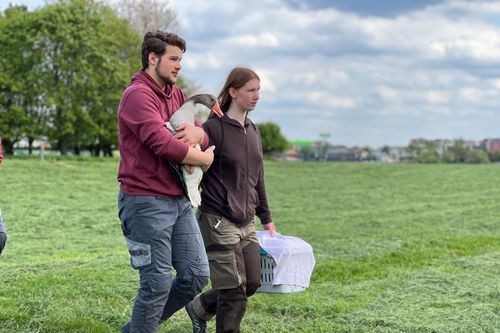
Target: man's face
{"type": "Point", "coordinates": [169, 65]}
{"type": "Point", "coordinates": [247, 96]}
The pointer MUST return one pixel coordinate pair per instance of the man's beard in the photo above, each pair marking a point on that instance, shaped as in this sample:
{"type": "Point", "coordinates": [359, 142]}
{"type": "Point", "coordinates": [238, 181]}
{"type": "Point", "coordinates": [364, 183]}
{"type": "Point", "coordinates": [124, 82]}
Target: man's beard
{"type": "Point", "coordinates": [165, 79]}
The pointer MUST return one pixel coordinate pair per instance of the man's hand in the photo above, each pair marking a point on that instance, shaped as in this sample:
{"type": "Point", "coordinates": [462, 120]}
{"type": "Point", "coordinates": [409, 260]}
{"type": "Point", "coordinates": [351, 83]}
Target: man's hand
{"type": "Point", "coordinates": [201, 158]}
{"type": "Point", "coordinates": [270, 227]}
{"type": "Point", "coordinates": [190, 134]}
{"type": "Point", "coordinates": [210, 151]}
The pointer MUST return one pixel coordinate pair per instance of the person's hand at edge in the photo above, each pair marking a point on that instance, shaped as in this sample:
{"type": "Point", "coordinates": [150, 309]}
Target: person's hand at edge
{"type": "Point", "coordinates": [270, 227]}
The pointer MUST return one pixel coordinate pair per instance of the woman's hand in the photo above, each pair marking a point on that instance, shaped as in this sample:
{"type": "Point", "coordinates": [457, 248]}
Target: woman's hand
{"type": "Point", "coordinates": [270, 227]}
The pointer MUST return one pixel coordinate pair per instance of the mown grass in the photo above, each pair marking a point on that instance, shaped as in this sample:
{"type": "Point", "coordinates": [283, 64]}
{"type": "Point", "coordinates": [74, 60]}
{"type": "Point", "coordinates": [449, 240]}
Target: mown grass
{"type": "Point", "coordinates": [399, 248]}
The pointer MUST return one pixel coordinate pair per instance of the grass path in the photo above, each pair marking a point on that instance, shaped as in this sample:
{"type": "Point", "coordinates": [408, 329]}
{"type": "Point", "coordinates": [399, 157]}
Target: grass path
{"type": "Point", "coordinates": [399, 248]}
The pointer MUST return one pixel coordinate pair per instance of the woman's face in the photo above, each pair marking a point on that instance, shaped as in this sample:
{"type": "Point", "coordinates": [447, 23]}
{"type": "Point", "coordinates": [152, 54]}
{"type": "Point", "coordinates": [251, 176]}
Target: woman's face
{"type": "Point", "coordinates": [247, 96]}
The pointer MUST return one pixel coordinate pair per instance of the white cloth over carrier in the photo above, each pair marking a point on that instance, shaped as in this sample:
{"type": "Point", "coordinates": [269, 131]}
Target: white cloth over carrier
{"type": "Point", "coordinates": [294, 261]}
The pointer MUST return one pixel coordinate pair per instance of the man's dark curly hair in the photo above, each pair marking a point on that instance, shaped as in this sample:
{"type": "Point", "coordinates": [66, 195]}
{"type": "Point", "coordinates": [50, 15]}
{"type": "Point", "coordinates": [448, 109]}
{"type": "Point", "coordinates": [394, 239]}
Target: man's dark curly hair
{"type": "Point", "coordinates": [157, 42]}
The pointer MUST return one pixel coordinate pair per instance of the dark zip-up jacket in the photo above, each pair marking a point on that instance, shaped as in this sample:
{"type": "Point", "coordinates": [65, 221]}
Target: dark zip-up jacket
{"type": "Point", "coordinates": [234, 185]}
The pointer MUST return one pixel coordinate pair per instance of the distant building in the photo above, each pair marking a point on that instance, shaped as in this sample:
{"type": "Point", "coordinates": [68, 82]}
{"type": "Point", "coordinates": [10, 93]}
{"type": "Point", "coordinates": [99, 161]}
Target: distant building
{"type": "Point", "coordinates": [300, 150]}
{"type": "Point", "coordinates": [492, 146]}
{"type": "Point", "coordinates": [340, 153]}
{"type": "Point", "coordinates": [324, 151]}
{"type": "Point", "coordinates": [418, 142]}
{"type": "Point", "coordinates": [398, 154]}
{"type": "Point", "coordinates": [378, 156]}
{"type": "Point", "coordinates": [442, 145]}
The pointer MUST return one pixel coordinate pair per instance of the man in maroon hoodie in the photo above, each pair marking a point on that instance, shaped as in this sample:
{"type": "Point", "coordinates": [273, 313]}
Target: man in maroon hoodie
{"type": "Point", "coordinates": [156, 217]}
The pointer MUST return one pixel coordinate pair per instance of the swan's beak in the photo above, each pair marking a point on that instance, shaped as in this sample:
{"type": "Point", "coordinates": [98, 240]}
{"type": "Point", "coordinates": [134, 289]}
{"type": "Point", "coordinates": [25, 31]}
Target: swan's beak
{"type": "Point", "coordinates": [216, 109]}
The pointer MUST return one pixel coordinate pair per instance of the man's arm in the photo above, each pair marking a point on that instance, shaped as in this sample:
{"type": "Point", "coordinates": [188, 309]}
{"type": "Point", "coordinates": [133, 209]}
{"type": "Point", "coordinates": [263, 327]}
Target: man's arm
{"type": "Point", "coordinates": [192, 135]}
{"type": "Point", "coordinates": [140, 115]}
{"type": "Point", "coordinates": [201, 158]}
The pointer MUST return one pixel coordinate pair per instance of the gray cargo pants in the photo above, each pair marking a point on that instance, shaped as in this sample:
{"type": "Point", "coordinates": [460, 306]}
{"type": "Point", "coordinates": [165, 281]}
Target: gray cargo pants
{"type": "Point", "coordinates": [162, 233]}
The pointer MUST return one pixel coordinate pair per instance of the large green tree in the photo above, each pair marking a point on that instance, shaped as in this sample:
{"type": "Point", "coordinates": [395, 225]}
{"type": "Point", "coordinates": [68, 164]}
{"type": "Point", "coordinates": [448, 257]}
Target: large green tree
{"type": "Point", "coordinates": [272, 139]}
{"type": "Point", "coordinates": [21, 87]}
{"type": "Point", "coordinates": [89, 62]}
{"type": "Point", "coordinates": [63, 69]}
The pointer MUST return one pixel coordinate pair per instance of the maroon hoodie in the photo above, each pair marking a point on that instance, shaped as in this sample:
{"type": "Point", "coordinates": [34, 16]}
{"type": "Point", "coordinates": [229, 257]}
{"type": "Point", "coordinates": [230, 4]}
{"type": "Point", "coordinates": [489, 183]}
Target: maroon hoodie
{"type": "Point", "coordinates": [145, 143]}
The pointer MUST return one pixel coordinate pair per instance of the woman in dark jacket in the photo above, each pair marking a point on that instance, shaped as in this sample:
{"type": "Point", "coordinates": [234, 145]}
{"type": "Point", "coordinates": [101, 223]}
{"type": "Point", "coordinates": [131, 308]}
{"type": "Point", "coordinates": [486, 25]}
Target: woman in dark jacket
{"type": "Point", "coordinates": [233, 193]}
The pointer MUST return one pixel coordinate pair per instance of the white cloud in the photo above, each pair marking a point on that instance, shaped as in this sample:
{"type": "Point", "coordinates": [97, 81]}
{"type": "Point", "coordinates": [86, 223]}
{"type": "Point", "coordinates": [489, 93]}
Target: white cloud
{"type": "Point", "coordinates": [320, 77]}
{"type": "Point", "coordinates": [267, 80]}
{"type": "Point", "coordinates": [482, 46]}
{"type": "Point", "coordinates": [388, 94]}
{"type": "Point", "coordinates": [470, 94]}
{"type": "Point", "coordinates": [206, 60]}
{"type": "Point", "coordinates": [437, 97]}
{"type": "Point", "coordinates": [495, 83]}
{"type": "Point", "coordinates": [472, 7]}
{"type": "Point", "coordinates": [432, 71]}
{"type": "Point", "coordinates": [264, 39]}
{"type": "Point", "coordinates": [323, 99]}
{"type": "Point", "coordinates": [476, 95]}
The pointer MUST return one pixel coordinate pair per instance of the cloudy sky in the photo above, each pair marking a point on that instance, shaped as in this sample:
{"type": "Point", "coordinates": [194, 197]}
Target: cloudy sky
{"type": "Point", "coordinates": [365, 72]}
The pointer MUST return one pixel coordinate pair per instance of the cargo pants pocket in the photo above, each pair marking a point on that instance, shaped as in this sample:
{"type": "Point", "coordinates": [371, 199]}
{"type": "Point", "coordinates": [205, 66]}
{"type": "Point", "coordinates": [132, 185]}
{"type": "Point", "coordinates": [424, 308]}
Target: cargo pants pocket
{"type": "Point", "coordinates": [140, 253]}
{"type": "Point", "coordinates": [223, 270]}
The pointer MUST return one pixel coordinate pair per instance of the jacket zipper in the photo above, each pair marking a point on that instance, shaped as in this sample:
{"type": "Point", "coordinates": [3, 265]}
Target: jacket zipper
{"type": "Point", "coordinates": [246, 173]}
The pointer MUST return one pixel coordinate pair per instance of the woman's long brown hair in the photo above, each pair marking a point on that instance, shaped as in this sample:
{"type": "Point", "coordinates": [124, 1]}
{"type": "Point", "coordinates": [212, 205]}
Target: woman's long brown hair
{"type": "Point", "coordinates": [236, 79]}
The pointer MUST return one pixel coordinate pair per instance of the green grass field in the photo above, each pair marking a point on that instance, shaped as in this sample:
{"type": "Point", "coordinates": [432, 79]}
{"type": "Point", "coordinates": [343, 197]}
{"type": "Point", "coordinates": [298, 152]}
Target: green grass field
{"type": "Point", "coordinates": [399, 248]}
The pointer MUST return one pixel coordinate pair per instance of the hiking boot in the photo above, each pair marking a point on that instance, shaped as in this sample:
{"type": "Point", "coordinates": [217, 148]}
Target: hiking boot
{"type": "Point", "coordinates": [199, 325]}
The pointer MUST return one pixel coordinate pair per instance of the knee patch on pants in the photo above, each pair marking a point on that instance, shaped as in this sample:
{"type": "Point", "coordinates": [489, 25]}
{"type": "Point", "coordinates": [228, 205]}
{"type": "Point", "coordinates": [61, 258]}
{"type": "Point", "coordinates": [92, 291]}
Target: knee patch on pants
{"type": "Point", "coordinates": [199, 283]}
{"type": "Point", "coordinates": [159, 283]}
{"type": "Point", "coordinates": [189, 283]}
{"type": "Point", "coordinates": [223, 270]}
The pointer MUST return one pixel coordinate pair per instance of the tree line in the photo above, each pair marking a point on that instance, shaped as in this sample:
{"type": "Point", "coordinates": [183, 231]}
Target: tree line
{"type": "Point", "coordinates": [459, 152]}
{"type": "Point", "coordinates": [63, 68]}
